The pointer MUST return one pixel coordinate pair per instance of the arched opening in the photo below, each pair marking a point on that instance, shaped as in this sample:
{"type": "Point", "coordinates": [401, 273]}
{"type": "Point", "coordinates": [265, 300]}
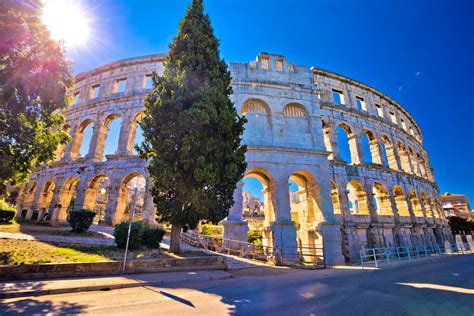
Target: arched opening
{"type": "Point", "coordinates": [389, 153]}
{"type": "Point", "coordinates": [96, 197]}
{"type": "Point", "coordinates": [382, 200]}
{"type": "Point", "coordinates": [28, 198]}
{"type": "Point", "coordinates": [414, 161]}
{"type": "Point", "coordinates": [368, 157]}
{"type": "Point", "coordinates": [422, 164]}
{"type": "Point", "coordinates": [136, 133]}
{"type": "Point", "coordinates": [426, 205]}
{"type": "Point", "coordinates": [113, 124]}
{"type": "Point", "coordinates": [343, 132]}
{"type": "Point", "coordinates": [401, 201]}
{"type": "Point", "coordinates": [357, 198]}
{"type": "Point", "coordinates": [335, 198]}
{"type": "Point", "coordinates": [297, 119]}
{"type": "Point", "coordinates": [306, 214]}
{"type": "Point", "coordinates": [258, 127]}
{"type": "Point", "coordinates": [67, 197]}
{"type": "Point", "coordinates": [327, 139]}
{"type": "Point", "coordinates": [415, 203]}
{"type": "Point", "coordinates": [132, 190]}
{"type": "Point", "coordinates": [404, 158]}
{"type": "Point", "coordinates": [46, 198]}
{"type": "Point", "coordinates": [84, 136]}
{"type": "Point", "coordinates": [257, 206]}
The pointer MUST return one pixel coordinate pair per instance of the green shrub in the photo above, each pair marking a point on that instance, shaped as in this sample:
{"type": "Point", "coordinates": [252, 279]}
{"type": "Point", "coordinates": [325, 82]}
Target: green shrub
{"type": "Point", "coordinates": [81, 220]}
{"type": "Point", "coordinates": [121, 232]}
{"type": "Point", "coordinates": [7, 211]}
{"type": "Point", "coordinates": [211, 230]}
{"type": "Point", "coordinates": [152, 236]}
{"type": "Point", "coordinates": [254, 237]}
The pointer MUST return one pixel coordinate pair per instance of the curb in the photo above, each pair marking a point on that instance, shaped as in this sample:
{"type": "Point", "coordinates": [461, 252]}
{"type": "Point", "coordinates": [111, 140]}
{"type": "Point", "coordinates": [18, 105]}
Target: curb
{"type": "Point", "coordinates": [104, 287]}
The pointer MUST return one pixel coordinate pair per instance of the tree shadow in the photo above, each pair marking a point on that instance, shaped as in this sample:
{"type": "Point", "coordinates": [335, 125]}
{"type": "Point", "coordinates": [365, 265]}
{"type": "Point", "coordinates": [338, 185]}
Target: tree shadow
{"type": "Point", "coordinates": [38, 307]}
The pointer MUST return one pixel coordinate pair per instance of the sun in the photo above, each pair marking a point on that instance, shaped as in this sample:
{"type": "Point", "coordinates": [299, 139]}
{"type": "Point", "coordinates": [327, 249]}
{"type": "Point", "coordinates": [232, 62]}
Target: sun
{"type": "Point", "coordinates": [67, 21]}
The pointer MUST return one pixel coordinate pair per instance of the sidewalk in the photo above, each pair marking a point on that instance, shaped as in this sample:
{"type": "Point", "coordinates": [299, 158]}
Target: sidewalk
{"type": "Point", "coordinates": [70, 285]}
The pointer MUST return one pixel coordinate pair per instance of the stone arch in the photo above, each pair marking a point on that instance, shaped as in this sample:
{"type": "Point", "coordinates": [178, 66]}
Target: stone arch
{"type": "Point", "coordinates": [67, 197]}
{"type": "Point", "coordinates": [135, 133]}
{"type": "Point", "coordinates": [382, 199]}
{"type": "Point", "coordinates": [125, 196]}
{"type": "Point", "coordinates": [421, 162]}
{"type": "Point", "coordinates": [297, 118]}
{"type": "Point", "coordinates": [414, 161]}
{"type": "Point", "coordinates": [389, 152]}
{"type": "Point", "coordinates": [335, 198]}
{"type": "Point", "coordinates": [373, 145]}
{"type": "Point", "coordinates": [46, 195]}
{"type": "Point", "coordinates": [344, 146]}
{"type": "Point", "coordinates": [78, 138]}
{"type": "Point", "coordinates": [109, 139]}
{"type": "Point", "coordinates": [357, 198]}
{"type": "Point", "coordinates": [330, 141]}
{"type": "Point", "coordinates": [259, 122]}
{"type": "Point", "coordinates": [404, 157]}
{"type": "Point", "coordinates": [267, 183]}
{"type": "Point", "coordinates": [426, 204]}
{"type": "Point", "coordinates": [29, 196]}
{"type": "Point", "coordinates": [415, 203]}
{"type": "Point", "coordinates": [96, 195]}
{"type": "Point", "coordinates": [306, 213]}
{"type": "Point", "coordinates": [401, 201]}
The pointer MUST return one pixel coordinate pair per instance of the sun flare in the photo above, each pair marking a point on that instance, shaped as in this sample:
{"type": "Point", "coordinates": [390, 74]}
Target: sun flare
{"type": "Point", "coordinates": [67, 21]}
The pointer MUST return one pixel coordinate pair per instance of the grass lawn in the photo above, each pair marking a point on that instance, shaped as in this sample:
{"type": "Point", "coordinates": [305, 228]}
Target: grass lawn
{"type": "Point", "coordinates": [14, 252]}
{"type": "Point", "coordinates": [43, 229]}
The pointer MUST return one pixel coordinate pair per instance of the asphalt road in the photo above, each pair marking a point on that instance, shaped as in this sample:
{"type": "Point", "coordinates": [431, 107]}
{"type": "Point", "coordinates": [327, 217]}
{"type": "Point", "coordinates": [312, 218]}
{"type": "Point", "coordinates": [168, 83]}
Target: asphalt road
{"type": "Point", "coordinates": [433, 287]}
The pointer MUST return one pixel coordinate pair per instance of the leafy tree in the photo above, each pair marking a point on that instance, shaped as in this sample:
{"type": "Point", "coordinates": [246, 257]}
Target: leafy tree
{"type": "Point", "coordinates": [34, 76]}
{"type": "Point", "coordinates": [460, 225]}
{"type": "Point", "coordinates": [192, 130]}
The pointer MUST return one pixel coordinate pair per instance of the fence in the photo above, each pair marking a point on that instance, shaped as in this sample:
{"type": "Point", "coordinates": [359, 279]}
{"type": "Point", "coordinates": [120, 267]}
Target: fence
{"type": "Point", "coordinates": [303, 254]}
{"type": "Point", "coordinates": [398, 254]}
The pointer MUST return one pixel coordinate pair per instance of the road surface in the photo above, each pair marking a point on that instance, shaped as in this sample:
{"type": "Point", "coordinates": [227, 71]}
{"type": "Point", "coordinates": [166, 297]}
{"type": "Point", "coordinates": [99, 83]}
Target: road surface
{"type": "Point", "coordinates": [433, 287]}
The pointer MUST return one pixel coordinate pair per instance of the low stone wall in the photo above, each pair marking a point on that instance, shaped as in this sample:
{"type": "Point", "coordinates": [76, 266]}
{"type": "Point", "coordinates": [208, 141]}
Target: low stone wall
{"type": "Point", "coordinates": [102, 268]}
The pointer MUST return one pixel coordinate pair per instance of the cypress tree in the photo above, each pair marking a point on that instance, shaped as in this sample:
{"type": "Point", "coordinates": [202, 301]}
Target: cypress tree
{"type": "Point", "coordinates": [192, 130]}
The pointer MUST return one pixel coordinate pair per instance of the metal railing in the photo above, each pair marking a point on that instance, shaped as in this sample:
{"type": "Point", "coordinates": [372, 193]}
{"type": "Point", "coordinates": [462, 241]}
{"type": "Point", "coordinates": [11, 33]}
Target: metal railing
{"type": "Point", "coordinates": [388, 255]}
{"type": "Point", "coordinates": [287, 254]}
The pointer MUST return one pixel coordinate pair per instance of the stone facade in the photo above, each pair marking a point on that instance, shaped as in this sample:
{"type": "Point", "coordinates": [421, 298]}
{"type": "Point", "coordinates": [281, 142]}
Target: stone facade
{"type": "Point", "coordinates": [384, 197]}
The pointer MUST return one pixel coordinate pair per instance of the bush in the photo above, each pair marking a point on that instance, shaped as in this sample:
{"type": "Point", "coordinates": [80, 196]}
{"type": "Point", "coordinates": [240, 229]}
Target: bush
{"type": "Point", "coordinates": [211, 230]}
{"type": "Point", "coordinates": [7, 211]}
{"type": "Point", "coordinates": [152, 236]}
{"type": "Point", "coordinates": [254, 237]}
{"type": "Point", "coordinates": [121, 232]}
{"type": "Point", "coordinates": [81, 220]}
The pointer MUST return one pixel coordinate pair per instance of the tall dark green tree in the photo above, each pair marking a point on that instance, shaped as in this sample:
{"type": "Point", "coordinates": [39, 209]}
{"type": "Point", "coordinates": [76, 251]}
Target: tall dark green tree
{"type": "Point", "coordinates": [34, 76]}
{"type": "Point", "coordinates": [192, 130]}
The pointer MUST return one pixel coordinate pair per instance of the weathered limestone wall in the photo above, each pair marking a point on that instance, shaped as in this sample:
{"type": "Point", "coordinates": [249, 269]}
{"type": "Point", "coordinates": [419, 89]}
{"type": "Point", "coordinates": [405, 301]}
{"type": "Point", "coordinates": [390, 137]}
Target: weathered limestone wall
{"type": "Point", "coordinates": [293, 119]}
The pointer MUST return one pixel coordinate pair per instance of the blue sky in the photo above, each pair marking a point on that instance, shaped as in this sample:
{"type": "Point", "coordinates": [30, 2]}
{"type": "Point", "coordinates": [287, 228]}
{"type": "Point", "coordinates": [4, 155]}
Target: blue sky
{"type": "Point", "coordinates": [418, 52]}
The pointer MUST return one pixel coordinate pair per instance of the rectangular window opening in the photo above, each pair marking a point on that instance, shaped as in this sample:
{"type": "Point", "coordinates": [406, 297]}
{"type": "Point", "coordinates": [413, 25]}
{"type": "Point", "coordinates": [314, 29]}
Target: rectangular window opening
{"type": "Point", "coordinates": [279, 65]}
{"type": "Point", "coordinates": [393, 118]}
{"type": "Point", "coordinates": [379, 110]}
{"type": "Point", "coordinates": [338, 97]}
{"type": "Point", "coordinates": [404, 125]}
{"type": "Point", "coordinates": [361, 104]}
{"type": "Point", "coordinates": [265, 63]}
{"type": "Point", "coordinates": [120, 85]}
{"type": "Point", "coordinates": [148, 82]}
{"type": "Point", "coordinates": [95, 89]}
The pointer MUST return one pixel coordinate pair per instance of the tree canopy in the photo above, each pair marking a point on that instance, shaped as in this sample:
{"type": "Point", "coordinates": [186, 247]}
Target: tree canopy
{"type": "Point", "coordinates": [34, 76]}
{"type": "Point", "coordinates": [192, 130]}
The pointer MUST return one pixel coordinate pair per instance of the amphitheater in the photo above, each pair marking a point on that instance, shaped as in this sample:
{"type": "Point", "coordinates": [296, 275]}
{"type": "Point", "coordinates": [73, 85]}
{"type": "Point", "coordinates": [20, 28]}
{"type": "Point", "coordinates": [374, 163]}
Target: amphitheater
{"type": "Point", "coordinates": [300, 122]}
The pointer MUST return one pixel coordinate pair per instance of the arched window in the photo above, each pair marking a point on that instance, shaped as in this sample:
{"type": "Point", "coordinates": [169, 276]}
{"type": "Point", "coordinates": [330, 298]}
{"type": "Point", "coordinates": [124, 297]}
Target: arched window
{"type": "Point", "coordinates": [401, 201]}
{"type": "Point", "coordinates": [297, 119]}
{"type": "Point", "coordinates": [342, 132]}
{"type": "Point", "coordinates": [85, 135]}
{"type": "Point", "coordinates": [357, 198]}
{"type": "Point", "coordinates": [368, 155]}
{"type": "Point", "coordinates": [382, 200]}
{"type": "Point", "coordinates": [113, 126]}
{"type": "Point", "coordinates": [258, 129]}
{"type": "Point", "coordinates": [294, 110]}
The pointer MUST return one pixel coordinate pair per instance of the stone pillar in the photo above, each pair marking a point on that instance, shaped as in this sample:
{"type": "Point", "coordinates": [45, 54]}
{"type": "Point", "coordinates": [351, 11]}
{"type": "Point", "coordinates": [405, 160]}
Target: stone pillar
{"type": "Point", "coordinates": [148, 212]}
{"type": "Point", "coordinates": [377, 153]}
{"type": "Point", "coordinates": [34, 204]}
{"type": "Point", "coordinates": [72, 152]}
{"type": "Point", "coordinates": [235, 227]}
{"type": "Point", "coordinates": [112, 205]}
{"type": "Point", "coordinates": [283, 229]}
{"type": "Point", "coordinates": [68, 146]}
{"type": "Point", "coordinates": [356, 148]}
{"type": "Point", "coordinates": [370, 203]}
{"type": "Point", "coordinates": [127, 135]}
{"type": "Point", "coordinates": [96, 147]}
{"type": "Point", "coordinates": [331, 141]}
